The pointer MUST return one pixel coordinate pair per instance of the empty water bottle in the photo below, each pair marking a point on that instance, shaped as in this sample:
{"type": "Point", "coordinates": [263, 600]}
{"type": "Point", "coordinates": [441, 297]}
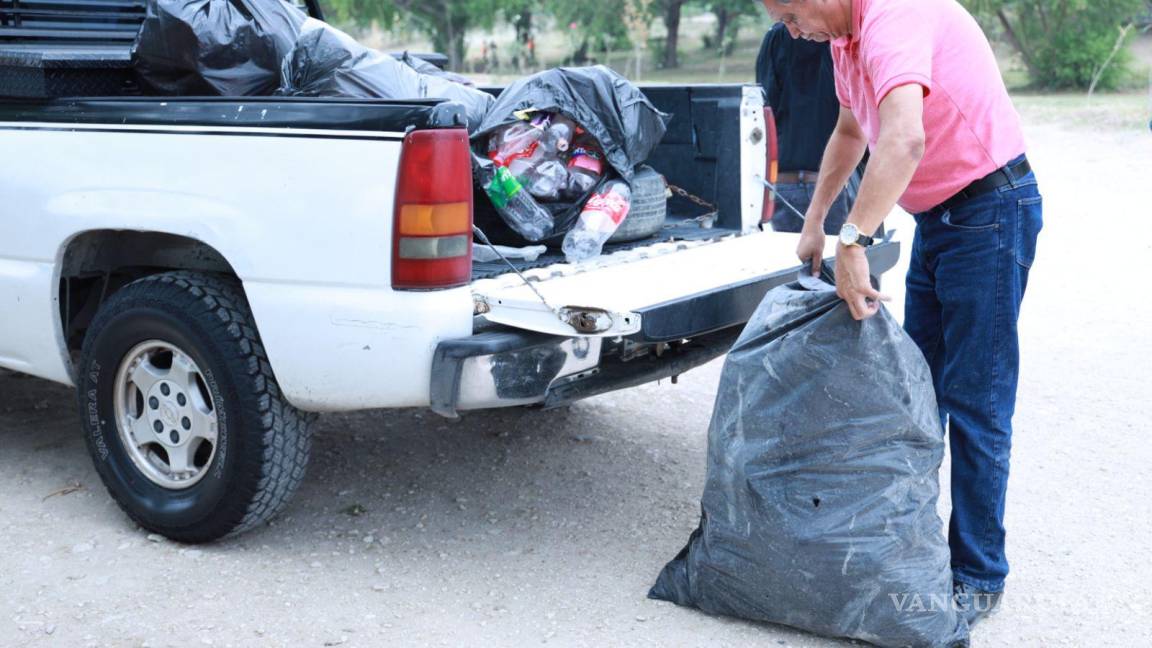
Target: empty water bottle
{"type": "Point", "coordinates": [585, 168]}
{"type": "Point", "coordinates": [600, 219]}
{"type": "Point", "coordinates": [561, 131]}
{"type": "Point", "coordinates": [526, 216]}
{"type": "Point", "coordinates": [519, 140]}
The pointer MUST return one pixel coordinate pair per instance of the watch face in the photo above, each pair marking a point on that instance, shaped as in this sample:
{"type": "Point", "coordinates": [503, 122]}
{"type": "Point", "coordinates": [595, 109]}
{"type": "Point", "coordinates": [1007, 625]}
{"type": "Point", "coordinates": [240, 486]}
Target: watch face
{"type": "Point", "coordinates": [849, 233]}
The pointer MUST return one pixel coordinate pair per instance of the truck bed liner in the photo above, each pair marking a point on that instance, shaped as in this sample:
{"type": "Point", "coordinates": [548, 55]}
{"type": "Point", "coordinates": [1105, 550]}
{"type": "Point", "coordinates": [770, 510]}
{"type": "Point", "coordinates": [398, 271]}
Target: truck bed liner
{"type": "Point", "coordinates": [678, 228]}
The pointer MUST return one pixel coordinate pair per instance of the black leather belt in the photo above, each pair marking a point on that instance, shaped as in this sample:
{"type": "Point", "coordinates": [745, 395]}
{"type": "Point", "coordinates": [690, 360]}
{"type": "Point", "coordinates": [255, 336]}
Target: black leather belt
{"type": "Point", "coordinates": [1005, 175]}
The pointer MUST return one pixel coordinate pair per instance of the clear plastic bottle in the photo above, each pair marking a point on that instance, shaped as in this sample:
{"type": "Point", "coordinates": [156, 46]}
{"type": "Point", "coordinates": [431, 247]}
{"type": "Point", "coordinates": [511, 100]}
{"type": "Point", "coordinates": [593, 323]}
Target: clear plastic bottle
{"type": "Point", "coordinates": [519, 140]}
{"type": "Point", "coordinates": [526, 216]}
{"type": "Point", "coordinates": [542, 173]}
{"type": "Point", "coordinates": [561, 132]}
{"type": "Point", "coordinates": [585, 168]}
{"type": "Point", "coordinates": [601, 217]}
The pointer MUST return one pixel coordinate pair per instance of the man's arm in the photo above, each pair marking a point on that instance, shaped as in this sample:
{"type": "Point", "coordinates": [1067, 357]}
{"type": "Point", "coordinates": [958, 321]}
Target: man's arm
{"type": "Point", "coordinates": [844, 151]}
{"type": "Point", "coordinates": [894, 161]}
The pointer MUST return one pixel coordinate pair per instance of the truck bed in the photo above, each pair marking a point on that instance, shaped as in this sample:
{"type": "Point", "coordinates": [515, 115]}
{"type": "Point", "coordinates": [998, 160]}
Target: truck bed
{"type": "Point", "coordinates": [700, 153]}
{"type": "Point", "coordinates": [682, 226]}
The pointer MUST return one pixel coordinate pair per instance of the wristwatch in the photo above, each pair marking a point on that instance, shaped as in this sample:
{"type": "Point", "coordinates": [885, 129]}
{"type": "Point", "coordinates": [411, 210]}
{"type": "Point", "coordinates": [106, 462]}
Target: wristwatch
{"type": "Point", "coordinates": [850, 235]}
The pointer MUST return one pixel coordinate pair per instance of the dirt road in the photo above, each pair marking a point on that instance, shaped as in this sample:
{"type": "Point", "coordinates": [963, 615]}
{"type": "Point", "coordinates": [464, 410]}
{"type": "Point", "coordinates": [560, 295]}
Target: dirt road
{"type": "Point", "coordinates": [523, 528]}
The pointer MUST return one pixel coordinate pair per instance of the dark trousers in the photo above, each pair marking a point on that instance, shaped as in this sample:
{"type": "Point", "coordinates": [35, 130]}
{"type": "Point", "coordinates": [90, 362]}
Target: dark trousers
{"type": "Point", "coordinates": [800, 196]}
{"type": "Point", "coordinates": [968, 273]}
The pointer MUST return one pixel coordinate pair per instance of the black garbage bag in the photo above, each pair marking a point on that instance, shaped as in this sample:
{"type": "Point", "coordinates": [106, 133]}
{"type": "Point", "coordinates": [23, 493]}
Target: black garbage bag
{"type": "Point", "coordinates": [424, 67]}
{"type": "Point", "coordinates": [609, 107]}
{"type": "Point", "coordinates": [326, 62]}
{"type": "Point", "coordinates": [819, 509]}
{"type": "Point", "coordinates": [232, 48]}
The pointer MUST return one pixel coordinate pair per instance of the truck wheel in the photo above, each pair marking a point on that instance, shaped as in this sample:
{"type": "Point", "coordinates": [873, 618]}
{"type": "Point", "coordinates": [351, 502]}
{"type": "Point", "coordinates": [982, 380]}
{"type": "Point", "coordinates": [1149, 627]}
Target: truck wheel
{"type": "Point", "coordinates": [182, 415]}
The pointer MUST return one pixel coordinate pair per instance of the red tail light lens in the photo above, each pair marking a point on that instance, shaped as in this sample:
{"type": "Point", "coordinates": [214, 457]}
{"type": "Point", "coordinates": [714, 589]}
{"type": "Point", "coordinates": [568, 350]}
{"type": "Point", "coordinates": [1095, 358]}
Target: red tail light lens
{"type": "Point", "coordinates": [772, 166]}
{"type": "Point", "coordinates": [432, 224]}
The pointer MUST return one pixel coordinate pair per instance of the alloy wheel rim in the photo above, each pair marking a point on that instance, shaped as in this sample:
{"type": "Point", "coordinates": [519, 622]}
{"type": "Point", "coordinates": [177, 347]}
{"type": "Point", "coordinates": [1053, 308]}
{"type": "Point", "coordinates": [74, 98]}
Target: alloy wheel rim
{"type": "Point", "coordinates": [165, 415]}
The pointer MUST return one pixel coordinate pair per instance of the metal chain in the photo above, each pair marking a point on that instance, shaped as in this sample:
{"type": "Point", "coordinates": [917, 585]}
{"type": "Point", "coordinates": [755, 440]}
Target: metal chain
{"type": "Point", "coordinates": [706, 220]}
{"type": "Point", "coordinates": [694, 198]}
{"type": "Point", "coordinates": [479, 233]}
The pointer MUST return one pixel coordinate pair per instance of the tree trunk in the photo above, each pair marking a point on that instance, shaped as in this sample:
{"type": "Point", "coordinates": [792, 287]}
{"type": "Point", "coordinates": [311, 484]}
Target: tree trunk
{"type": "Point", "coordinates": [672, 24]}
{"type": "Point", "coordinates": [723, 19]}
{"type": "Point", "coordinates": [1010, 32]}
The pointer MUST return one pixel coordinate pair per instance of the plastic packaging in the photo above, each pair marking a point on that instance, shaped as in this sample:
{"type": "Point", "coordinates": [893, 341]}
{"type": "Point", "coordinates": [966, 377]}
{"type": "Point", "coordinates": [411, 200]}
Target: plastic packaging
{"type": "Point", "coordinates": [326, 62]}
{"type": "Point", "coordinates": [611, 111]}
{"type": "Point", "coordinates": [546, 179]}
{"type": "Point", "coordinates": [516, 206]}
{"type": "Point", "coordinates": [561, 132]}
{"type": "Point", "coordinates": [600, 218]}
{"type": "Point", "coordinates": [819, 506]}
{"type": "Point", "coordinates": [585, 168]}
{"type": "Point", "coordinates": [232, 48]}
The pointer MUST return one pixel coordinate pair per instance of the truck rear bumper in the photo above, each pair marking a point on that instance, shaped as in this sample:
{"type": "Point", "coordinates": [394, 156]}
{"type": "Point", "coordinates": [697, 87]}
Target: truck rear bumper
{"type": "Point", "coordinates": [508, 367]}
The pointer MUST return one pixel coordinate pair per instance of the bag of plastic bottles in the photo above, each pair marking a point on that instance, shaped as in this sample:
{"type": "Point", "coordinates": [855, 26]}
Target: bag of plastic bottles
{"type": "Point", "coordinates": [819, 505]}
{"type": "Point", "coordinates": [598, 125]}
{"type": "Point", "coordinates": [599, 220]}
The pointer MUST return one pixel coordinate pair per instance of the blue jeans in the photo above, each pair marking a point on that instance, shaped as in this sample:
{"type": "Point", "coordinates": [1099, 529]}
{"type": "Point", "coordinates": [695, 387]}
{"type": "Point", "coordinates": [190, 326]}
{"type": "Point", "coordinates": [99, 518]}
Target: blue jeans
{"type": "Point", "coordinates": [800, 196]}
{"type": "Point", "coordinates": [968, 273]}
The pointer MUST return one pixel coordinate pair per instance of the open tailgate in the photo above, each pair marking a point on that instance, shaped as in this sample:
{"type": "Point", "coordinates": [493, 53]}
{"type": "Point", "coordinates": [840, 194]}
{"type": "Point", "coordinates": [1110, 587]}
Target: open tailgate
{"type": "Point", "coordinates": [664, 292]}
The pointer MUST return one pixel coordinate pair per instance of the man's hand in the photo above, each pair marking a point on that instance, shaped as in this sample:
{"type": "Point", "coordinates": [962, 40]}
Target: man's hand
{"type": "Point", "coordinates": [853, 283]}
{"type": "Point", "coordinates": [811, 247]}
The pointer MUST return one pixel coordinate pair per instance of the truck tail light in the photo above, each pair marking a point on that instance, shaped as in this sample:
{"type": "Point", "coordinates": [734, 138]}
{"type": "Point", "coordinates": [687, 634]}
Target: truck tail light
{"type": "Point", "coordinates": [772, 166]}
{"type": "Point", "coordinates": [432, 225]}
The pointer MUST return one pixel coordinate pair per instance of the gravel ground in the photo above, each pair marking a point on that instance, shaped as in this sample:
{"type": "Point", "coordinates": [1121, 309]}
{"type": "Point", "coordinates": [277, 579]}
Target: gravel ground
{"type": "Point", "coordinates": [523, 528]}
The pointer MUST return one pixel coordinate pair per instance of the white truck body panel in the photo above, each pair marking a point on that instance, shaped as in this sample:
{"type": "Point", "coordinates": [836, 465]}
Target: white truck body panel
{"type": "Point", "coordinates": [307, 230]}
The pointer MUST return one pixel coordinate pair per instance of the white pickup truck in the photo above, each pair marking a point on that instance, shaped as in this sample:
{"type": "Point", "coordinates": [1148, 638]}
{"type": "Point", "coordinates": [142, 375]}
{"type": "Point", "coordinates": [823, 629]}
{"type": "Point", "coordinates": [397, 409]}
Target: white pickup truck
{"type": "Point", "coordinates": [209, 273]}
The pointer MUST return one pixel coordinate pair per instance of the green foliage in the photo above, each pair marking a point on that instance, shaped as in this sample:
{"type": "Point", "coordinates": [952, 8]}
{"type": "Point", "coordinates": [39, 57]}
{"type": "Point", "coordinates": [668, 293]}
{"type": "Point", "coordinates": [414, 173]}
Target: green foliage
{"type": "Point", "coordinates": [1064, 43]}
{"type": "Point", "coordinates": [446, 21]}
{"type": "Point", "coordinates": [731, 15]}
{"type": "Point", "coordinates": [591, 26]}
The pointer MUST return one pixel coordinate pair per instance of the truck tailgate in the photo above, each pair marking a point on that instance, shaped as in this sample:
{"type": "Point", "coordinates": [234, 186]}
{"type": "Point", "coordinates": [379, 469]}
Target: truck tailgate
{"type": "Point", "coordinates": [653, 294]}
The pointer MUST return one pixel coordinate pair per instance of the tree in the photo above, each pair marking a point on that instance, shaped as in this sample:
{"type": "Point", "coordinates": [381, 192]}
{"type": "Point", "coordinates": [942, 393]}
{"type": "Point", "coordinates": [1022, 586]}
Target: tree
{"type": "Point", "coordinates": [592, 26]}
{"type": "Point", "coordinates": [1065, 43]}
{"type": "Point", "coordinates": [669, 11]}
{"type": "Point", "coordinates": [446, 21]}
{"type": "Point", "coordinates": [520, 13]}
{"type": "Point", "coordinates": [729, 14]}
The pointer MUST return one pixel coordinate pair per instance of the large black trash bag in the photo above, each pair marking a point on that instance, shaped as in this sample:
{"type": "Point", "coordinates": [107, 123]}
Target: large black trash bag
{"type": "Point", "coordinates": [819, 509]}
{"type": "Point", "coordinates": [232, 48]}
{"type": "Point", "coordinates": [326, 62]}
{"type": "Point", "coordinates": [611, 108]}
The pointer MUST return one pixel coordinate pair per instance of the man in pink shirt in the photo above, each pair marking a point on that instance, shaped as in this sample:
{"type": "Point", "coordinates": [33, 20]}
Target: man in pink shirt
{"type": "Point", "coordinates": [919, 87]}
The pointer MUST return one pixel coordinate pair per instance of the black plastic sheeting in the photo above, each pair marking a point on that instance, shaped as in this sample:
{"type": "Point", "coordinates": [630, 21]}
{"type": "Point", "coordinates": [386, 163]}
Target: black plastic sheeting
{"type": "Point", "coordinates": [231, 48]}
{"type": "Point", "coordinates": [611, 108]}
{"type": "Point", "coordinates": [246, 48]}
{"type": "Point", "coordinates": [326, 62]}
{"type": "Point", "coordinates": [819, 509]}
{"type": "Point", "coordinates": [608, 106]}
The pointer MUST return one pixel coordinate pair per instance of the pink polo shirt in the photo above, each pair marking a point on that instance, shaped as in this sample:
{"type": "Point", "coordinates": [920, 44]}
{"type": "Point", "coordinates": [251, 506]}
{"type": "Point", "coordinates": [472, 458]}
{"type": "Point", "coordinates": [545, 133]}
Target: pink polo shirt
{"type": "Point", "coordinates": [971, 127]}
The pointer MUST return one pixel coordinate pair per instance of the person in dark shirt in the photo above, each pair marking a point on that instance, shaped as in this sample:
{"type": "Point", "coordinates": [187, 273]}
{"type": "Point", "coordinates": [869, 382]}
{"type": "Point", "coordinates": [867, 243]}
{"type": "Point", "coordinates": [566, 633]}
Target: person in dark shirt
{"type": "Point", "coordinates": [798, 80]}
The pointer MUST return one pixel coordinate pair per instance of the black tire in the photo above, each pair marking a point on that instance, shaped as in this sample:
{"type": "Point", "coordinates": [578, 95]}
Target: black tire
{"type": "Point", "coordinates": [262, 443]}
{"type": "Point", "coordinates": [649, 210]}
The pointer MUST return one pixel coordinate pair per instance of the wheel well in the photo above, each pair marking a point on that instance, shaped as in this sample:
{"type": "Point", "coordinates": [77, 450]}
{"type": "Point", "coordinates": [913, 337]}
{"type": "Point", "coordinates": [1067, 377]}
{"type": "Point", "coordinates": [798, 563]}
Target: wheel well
{"type": "Point", "coordinates": [97, 264]}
